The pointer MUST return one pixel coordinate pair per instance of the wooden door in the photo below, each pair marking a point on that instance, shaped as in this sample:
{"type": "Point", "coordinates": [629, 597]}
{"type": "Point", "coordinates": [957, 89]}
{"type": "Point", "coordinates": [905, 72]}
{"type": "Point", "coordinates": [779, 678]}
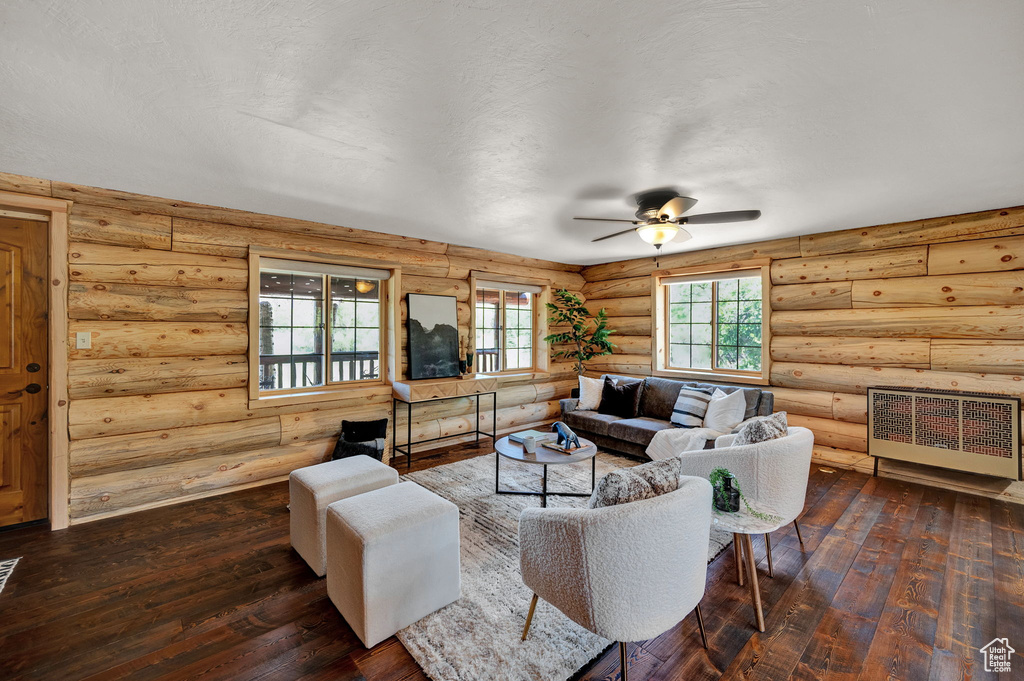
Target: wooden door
{"type": "Point", "coordinates": [23, 371]}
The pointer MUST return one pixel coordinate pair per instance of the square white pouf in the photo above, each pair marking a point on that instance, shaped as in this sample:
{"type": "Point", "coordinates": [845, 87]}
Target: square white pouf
{"type": "Point", "coordinates": [392, 558]}
{"type": "Point", "coordinates": [312, 489]}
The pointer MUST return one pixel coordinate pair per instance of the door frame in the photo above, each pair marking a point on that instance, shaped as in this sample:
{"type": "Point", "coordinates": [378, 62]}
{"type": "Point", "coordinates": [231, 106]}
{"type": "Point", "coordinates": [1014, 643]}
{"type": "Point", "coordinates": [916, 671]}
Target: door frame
{"type": "Point", "coordinates": [55, 213]}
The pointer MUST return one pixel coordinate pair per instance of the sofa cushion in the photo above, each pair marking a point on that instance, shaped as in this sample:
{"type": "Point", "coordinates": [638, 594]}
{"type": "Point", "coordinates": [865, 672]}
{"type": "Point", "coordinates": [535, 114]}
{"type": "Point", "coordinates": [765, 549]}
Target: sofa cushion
{"type": "Point", "coordinates": [752, 396]}
{"type": "Point", "coordinates": [634, 484]}
{"type": "Point", "coordinates": [590, 421]}
{"type": "Point", "coordinates": [658, 397]}
{"type": "Point", "coordinates": [639, 431]}
{"type": "Point", "coordinates": [620, 399]}
{"type": "Point", "coordinates": [690, 406]}
{"type": "Point", "coordinates": [762, 429]}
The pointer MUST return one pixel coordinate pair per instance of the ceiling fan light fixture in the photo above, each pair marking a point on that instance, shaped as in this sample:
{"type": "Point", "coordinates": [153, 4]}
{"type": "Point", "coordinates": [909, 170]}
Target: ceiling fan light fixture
{"type": "Point", "coordinates": [658, 234]}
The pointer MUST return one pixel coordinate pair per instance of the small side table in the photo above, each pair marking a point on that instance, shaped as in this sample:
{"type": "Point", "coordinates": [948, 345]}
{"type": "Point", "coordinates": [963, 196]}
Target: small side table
{"type": "Point", "coordinates": [743, 524]}
{"type": "Point", "coordinates": [544, 457]}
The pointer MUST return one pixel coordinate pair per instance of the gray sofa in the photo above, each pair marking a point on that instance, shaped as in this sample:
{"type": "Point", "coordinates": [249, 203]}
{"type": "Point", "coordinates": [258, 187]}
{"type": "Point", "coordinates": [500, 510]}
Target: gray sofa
{"type": "Point", "coordinates": [657, 398]}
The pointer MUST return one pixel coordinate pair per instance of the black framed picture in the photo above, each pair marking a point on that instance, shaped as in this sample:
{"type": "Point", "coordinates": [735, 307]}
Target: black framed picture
{"type": "Point", "coordinates": [433, 324]}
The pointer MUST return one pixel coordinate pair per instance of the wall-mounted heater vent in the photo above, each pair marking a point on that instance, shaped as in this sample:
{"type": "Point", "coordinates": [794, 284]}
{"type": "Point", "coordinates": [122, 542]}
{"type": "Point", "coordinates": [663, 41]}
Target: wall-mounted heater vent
{"type": "Point", "coordinates": [964, 431]}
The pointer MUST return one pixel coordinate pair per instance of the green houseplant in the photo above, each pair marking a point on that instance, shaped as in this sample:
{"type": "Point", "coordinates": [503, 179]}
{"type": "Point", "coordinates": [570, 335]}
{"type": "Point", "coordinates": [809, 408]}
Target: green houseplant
{"type": "Point", "coordinates": [718, 479]}
{"type": "Point", "coordinates": [587, 334]}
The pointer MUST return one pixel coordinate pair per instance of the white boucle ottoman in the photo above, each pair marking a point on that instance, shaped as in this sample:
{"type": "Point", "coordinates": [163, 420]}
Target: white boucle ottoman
{"type": "Point", "coordinates": [392, 558]}
{"type": "Point", "coordinates": [312, 489]}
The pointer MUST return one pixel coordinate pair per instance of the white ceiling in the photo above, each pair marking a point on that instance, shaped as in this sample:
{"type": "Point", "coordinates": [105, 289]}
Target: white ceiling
{"type": "Point", "coordinates": [490, 124]}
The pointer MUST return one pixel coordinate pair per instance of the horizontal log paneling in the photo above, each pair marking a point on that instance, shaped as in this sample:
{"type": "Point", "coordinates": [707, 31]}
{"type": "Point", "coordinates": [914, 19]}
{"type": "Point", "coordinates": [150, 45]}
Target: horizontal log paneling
{"type": "Point", "coordinates": [119, 227]}
{"type": "Point", "coordinates": [901, 352]}
{"type": "Point", "coordinates": [121, 491]}
{"type": "Point", "coordinates": [155, 303]}
{"type": "Point", "coordinates": [1004, 321]}
{"type": "Point", "coordinates": [619, 288]}
{"type": "Point", "coordinates": [157, 339]}
{"type": "Point", "coordinates": [896, 262]}
{"type": "Point", "coordinates": [23, 184]}
{"type": "Point", "coordinates": [192, 236]}
{"type": "Point", "coordinates": [820, 296]}
{"type": "Point", "coordinates": [481, 256]}
{"type": "Point", "coordinates": [460, 268]}
{"type": "Point", "coordinates": [97, 196]}
{"type": "Point", "coordinates": [138, 413]}
{"type": "Point", "coordinates": [630, 326]}
{"type": "Point", "coordinates": [948, 228]}
{"type": "Point", "coordinates": [850, 379]}
{"type": "Point", "coordinates": [832, 433]}
{"type": "Point", "coordinates": [437, 287]}
{"type": "Point", "coordinates": [626, 269]}
{"type": "Point", "coordinates": [322, 424]}
{"type": "Point", "coordinates": [140, 376]}
{"type": "Point", "coordinates": [986, 357]}
{"type": "Point", "coordinates": [993, 288]}
{"type": "Point", "coordinates": [621, 307]}
{"type": "Point", "coordinates": [100, 254]}
{"type": "Point", "coordinates": [847, 407]}
{"type": "Point", "coordinates": [803, 402]}
{"type": "Point", "coordinates": [984, 255]}
{"type": "Point", "coordinates": [176, 274]}
{"type": "Point", "coordinates": [154, 448]}
{"type": "Point", "coordinates": [631, 345]}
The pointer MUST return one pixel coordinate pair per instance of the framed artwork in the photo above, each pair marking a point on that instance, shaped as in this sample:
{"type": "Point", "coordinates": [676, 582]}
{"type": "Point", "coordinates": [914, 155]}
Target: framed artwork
{"type": "Point", "coordinates": [433, 344]}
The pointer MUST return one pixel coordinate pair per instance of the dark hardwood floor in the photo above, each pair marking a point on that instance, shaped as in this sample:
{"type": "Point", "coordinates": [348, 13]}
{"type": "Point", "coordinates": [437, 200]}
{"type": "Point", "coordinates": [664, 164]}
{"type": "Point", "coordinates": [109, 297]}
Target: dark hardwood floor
{"type": "Point", "coordinates": [894, 581]}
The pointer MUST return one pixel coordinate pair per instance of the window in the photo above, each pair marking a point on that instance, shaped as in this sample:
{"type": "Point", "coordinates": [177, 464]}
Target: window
{"type": "Point", "coordinates": [504, 323]}
{"type": "Point", "coordinates": [713, 323]}
{"type": "Point", "coordinates": [319, 324]}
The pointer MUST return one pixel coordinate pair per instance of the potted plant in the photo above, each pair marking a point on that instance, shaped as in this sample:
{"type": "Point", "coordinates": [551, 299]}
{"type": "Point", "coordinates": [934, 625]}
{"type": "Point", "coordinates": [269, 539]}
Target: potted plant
{"type": "Point", "coordinates": [726, 495]}
{"type": "Point", "coordinates": [587, 334]}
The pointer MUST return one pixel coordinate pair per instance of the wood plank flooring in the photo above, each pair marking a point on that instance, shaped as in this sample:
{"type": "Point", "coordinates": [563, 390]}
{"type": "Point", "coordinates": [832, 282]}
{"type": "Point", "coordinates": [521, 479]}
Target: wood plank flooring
{"type": "Point", "coordinates": [894, 581]}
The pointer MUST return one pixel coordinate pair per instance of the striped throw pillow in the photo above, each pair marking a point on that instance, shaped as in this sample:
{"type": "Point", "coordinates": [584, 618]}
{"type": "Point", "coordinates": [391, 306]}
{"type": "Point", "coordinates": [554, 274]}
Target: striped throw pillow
{"type": "Point", "coordinates": [690, 407]}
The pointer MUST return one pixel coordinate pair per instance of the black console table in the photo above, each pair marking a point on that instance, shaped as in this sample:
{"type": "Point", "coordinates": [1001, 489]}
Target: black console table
{"type": "Point", "coordinates": [422, 392]}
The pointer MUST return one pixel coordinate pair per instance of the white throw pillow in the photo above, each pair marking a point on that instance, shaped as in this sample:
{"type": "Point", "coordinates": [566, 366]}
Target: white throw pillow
{"type": "Point", "coordinates": [590, 393]}
{"type": "Point", "coordinates": [725, 412]}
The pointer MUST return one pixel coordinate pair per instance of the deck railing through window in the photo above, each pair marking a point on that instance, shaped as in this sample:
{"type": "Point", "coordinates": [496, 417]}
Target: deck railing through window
{"type": "Point", "coordinates": [282, 372]}
{"type": "Point", "coordinates": [487, 360]}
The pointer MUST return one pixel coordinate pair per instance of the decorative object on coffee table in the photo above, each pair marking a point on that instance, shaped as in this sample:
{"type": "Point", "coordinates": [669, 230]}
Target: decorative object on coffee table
{"type": "Point", "coordinates": [433, 336]}
{"type": "Point", "coordinates": [566, 437]}
{"type": "Point", "coordinates": [587, 342]}
{"type": "Point", "coordinates": [544, 457]}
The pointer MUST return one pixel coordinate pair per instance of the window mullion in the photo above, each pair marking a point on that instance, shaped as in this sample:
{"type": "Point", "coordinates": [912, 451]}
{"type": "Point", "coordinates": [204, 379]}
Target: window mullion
{"type": "Point", "coordinates": [714, 326]}
{"type": "Point", "coordinates": [325, 297]}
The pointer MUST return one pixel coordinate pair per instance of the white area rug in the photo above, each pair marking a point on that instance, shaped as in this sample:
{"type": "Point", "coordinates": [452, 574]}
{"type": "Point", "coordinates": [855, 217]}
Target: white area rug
{"type": "Point", "coordinates": [6, 568]}
{"type": "Point", "coordinates": [478, 636]}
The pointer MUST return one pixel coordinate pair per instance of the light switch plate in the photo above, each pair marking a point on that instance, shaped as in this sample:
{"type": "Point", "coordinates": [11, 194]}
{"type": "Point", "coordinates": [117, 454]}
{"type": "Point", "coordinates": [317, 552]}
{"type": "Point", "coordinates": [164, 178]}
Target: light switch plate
{"type": "Point", "coordinates": [83, 340]}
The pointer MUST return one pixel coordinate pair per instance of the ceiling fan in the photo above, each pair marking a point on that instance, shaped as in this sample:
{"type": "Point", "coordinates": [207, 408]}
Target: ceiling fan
{"type": "Point", "coordinates": [659, 218]}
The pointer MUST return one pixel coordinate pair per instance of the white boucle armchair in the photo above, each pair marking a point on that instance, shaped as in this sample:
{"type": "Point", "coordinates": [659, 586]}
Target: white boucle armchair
{"type": "Point", "coordinates": [772, 475]}
{"type": "Point", "coordinates": [628, 572]}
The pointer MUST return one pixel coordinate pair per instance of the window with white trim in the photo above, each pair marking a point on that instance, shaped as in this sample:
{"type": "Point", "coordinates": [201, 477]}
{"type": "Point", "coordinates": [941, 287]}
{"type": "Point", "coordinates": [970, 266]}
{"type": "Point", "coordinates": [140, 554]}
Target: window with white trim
{"type": "Point", "coordinates": [319, 324]}
{"type": "Point", "coordinates": [714, 323]}
{"type": "Point", "coordinates": [505, 326]}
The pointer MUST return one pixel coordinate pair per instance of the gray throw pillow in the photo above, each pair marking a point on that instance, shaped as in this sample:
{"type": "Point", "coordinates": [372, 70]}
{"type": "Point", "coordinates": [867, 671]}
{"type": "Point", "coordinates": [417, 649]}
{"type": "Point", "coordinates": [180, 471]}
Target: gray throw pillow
{"type": "Point", "coordinates": [762, 429]}
{"type": "Point", "coordinates": [640, 482]}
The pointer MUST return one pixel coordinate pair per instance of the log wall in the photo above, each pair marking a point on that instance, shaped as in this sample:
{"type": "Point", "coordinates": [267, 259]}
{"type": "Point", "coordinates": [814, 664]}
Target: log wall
{"type": "Point", "coordinates": [159, 408]}
{"type": "Point", "coordinates": [933, 303]}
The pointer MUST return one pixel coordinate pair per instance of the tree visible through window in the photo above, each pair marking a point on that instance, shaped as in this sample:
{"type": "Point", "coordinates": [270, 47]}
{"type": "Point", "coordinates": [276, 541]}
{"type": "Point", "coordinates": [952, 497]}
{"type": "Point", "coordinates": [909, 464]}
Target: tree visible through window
{"type": "Point", "coordinates": [715, 325]}
{"type": "Point", "coordinates": [504, 329]}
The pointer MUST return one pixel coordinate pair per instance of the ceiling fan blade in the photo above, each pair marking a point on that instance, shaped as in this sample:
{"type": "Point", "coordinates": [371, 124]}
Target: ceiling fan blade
{"type": "Point", "coordinates": [609, 236]}
{"type": "Point", "coordinates": [676, 207]}
{"type": "Point", "coordinates": [608, 220]}
{"type": "Point", "coordinates": [718, 218]}
{"type": "Point", "coordinates": [681, 236]}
